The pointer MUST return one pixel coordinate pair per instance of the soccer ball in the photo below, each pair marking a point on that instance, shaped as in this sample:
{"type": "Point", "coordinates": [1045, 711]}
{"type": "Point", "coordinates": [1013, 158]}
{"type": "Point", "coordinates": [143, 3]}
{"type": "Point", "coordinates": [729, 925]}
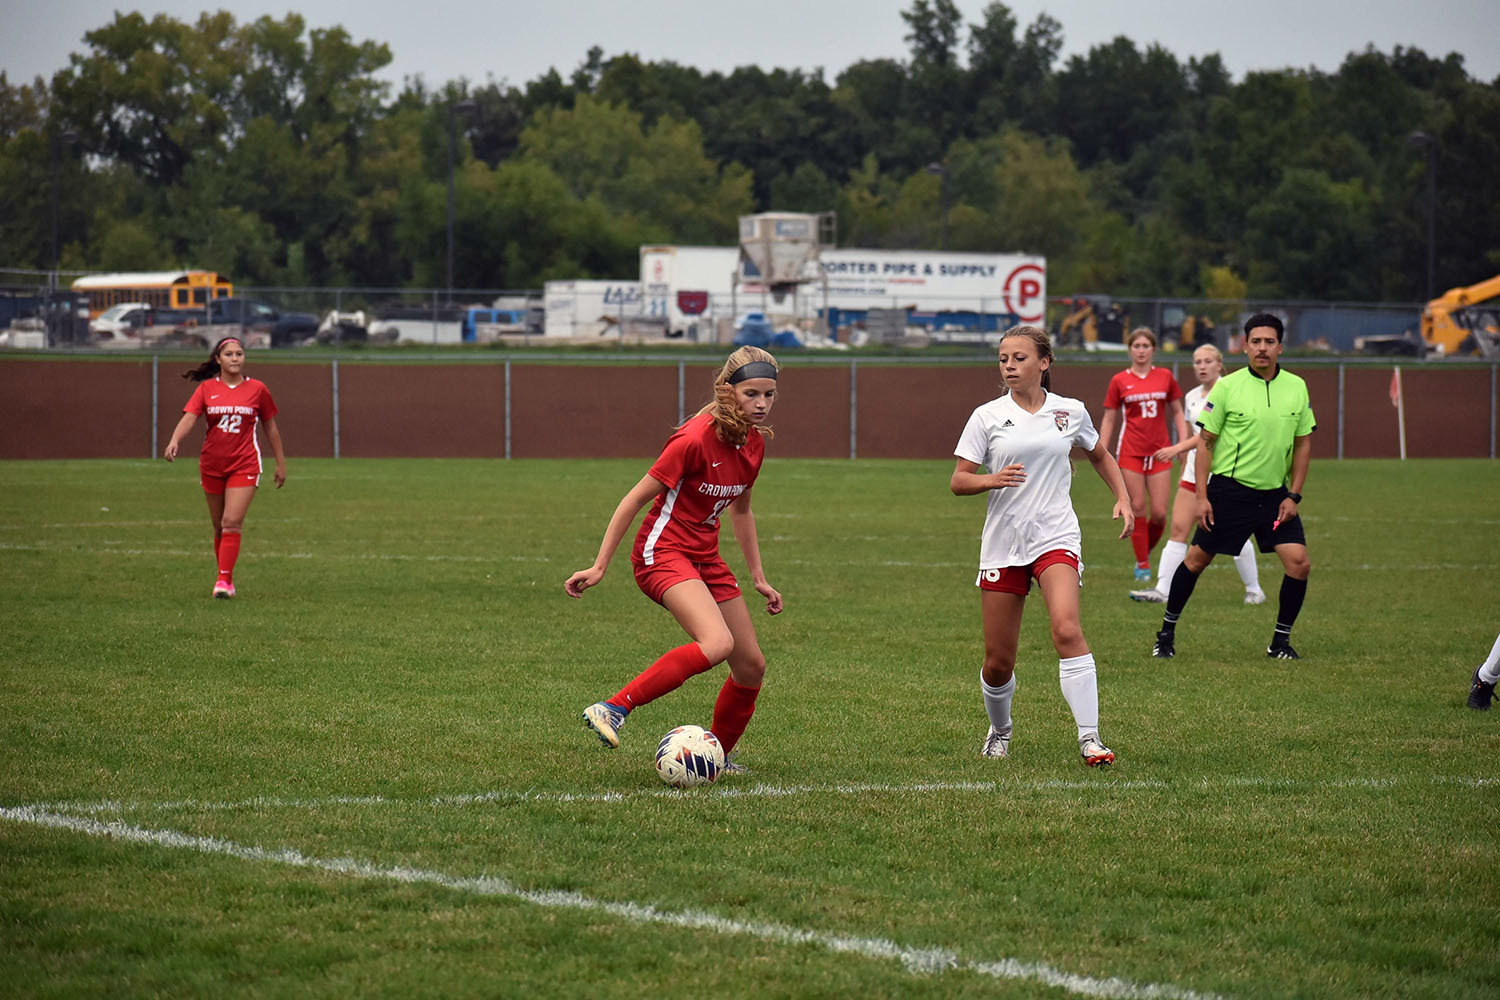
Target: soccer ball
{"type": "Point", "coordinates": [689, 756]}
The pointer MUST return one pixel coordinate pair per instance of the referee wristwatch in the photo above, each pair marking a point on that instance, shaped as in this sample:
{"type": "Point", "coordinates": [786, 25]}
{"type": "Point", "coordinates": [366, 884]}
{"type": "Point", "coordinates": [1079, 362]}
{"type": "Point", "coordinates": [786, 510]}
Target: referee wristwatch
{"type": "Point", "coordinates": [1295, 497]}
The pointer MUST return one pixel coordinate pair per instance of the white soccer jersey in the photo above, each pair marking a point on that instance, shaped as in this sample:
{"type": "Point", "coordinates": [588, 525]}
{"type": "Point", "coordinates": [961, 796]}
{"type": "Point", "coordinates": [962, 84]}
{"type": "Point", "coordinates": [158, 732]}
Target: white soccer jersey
{"type": "Point", "coordinates": [1192, 403]}
{"type": "Point", "coordinates": [1025, 521]}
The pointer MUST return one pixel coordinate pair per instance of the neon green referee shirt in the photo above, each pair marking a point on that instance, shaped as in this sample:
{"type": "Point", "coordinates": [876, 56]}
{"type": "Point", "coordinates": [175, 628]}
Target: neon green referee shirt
{"type": "Point", "coordinates": [1256, 421]}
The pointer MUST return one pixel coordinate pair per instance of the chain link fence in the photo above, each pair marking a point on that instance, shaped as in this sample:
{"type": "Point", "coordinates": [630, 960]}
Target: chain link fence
{"type": "Point", "coordinates": [37, 311]}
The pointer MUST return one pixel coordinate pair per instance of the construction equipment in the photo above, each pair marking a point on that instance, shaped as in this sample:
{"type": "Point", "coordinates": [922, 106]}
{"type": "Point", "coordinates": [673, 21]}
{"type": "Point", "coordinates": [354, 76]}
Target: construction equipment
{"type": "Point", "coordinates": [1183, 330]}
{"type": "Point", "coordinates": [1464, 321]}
{"type": "Point", "coordinates": [1092, 320]}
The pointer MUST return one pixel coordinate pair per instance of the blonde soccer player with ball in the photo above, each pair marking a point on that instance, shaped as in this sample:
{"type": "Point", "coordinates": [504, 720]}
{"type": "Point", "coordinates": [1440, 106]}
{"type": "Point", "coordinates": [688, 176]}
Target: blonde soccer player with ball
{"type": "Point", "coordinates": [706, 470]}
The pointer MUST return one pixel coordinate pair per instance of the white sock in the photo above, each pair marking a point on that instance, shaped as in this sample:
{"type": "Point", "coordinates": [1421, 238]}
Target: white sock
{"type": "Point", "coordinates": [1245, 563]}
{"type": "Point", "coordinates": [1080, 687]}
{"type": "Point", "coordinates": [1172, 555]}
{"type": "Point", "coordinates": [1490, 671]}
{"type": "Point", "coordinates": [997, 703]}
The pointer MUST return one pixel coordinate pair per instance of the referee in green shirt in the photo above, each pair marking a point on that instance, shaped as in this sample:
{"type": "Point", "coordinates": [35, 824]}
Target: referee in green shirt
{"type": "Point", "coordinates": [1257, 442]}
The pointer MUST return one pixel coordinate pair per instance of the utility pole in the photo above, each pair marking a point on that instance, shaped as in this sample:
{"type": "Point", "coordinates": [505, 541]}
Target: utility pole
{"type": "Point", "coordinates": [466, 108]}
{"type": "Point", "coordinates": [942, 172]}
{"type": "Point", "coordinates": [1423, 140]}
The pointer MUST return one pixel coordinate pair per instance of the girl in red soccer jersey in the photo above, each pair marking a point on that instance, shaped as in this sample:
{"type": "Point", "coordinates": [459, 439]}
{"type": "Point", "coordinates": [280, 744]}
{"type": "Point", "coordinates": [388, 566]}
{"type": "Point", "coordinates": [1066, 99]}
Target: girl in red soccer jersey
{"type": "Point", "coordinates": [229, 464]}
{"type": "Point", "coordinates": [707, 467]}
{"type": "Point", "coordinates": [1149, 397]}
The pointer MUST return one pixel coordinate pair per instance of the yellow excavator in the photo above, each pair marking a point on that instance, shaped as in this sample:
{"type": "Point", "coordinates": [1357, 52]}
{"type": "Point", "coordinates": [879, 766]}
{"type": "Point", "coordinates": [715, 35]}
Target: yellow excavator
{"type": "Point", "coordinates": [1464, 321]}
{"type": "Point", "coordinates": [1092, 320]}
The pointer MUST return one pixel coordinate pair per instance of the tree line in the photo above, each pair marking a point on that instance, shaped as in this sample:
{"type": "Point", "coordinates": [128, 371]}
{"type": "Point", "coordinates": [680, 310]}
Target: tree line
{"type": "Point", "coordinates": [270, 152]}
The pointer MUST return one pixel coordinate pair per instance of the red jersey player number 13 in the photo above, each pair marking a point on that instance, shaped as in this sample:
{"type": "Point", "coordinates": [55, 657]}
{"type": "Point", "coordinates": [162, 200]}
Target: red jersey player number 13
{"type": "Point", "coordinates": [1150, 400]}
{"type": "Point", "coordinates": [234, 407]}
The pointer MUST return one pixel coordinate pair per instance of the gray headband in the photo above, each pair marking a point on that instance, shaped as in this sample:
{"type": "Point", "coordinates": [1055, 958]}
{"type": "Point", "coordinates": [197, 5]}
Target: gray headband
{"type": "Point", "coordinates": [752, 369]}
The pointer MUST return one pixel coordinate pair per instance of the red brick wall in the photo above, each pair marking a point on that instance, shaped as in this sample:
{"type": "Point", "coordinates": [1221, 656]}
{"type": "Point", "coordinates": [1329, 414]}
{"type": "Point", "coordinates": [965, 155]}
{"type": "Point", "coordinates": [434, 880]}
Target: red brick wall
{"type": "Point", "coordinates": [101, 408]}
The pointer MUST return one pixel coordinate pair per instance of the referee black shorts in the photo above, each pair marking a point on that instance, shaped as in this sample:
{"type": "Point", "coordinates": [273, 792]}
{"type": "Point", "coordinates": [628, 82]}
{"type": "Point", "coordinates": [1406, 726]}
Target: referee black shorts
{"type": "Point", "coordinates": [1240, 512]}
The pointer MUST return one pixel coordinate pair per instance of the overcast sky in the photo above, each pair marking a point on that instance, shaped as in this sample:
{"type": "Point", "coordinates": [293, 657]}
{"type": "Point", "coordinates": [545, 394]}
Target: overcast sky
{"type": "Point", "coordinates": [517, 41]}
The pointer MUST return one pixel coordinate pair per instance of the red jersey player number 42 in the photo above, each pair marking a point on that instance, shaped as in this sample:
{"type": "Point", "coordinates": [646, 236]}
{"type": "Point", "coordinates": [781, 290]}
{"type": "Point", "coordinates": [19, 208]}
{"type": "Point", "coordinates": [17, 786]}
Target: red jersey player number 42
{"type": "Point", "coordinates": [234, 407]}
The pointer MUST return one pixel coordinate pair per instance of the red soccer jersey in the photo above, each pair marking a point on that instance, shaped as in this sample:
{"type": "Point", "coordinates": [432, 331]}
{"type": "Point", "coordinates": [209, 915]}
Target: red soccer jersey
{"type": "Point", "coordinates": [233, 413]}
{"type": "Point", "coordinates": [703, 476]}
{"type": "Point", "coordinates": [1147, 400]}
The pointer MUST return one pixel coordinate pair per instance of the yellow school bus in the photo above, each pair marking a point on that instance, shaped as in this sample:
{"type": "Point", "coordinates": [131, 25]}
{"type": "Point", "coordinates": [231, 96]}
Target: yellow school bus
{"type": "Point", "coordinates": [161, 289]}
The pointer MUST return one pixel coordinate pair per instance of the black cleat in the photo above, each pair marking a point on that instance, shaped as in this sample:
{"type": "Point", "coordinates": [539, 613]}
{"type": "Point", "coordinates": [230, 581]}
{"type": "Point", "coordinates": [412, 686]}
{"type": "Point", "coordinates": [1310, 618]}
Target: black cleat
{"type": "Point", "coordinates": [1163, 649]}
{"type": "Point", "coordinates": [1480, 694]}
{"type": "Point", "coordinates": [1282, 651]}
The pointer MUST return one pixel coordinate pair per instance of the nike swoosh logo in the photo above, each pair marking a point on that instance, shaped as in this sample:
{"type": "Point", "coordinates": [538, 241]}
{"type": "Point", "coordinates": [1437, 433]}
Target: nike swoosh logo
{"type": "Point", "coordinates": [214, 396]}
{"type": "Point", "coordinates": [717, 464]}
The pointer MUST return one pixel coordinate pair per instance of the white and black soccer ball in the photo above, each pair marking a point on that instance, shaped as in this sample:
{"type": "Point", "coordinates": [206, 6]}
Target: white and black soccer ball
{"type": "Point", "coordinates": [689, 756]}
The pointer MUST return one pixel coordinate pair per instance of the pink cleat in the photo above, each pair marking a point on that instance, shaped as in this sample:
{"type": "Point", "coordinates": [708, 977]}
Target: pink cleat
{"type": "Point", "coordinates": [223, 590]}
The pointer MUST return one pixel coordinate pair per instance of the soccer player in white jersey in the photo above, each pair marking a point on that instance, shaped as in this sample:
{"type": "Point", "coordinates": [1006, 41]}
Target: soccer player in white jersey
{"type": "Point", "coordinates": [1208, 366]}
{"type": "Point", "coordinates": [1026, 439]}
{"type": "Point", "coordinates": [1482, 687]}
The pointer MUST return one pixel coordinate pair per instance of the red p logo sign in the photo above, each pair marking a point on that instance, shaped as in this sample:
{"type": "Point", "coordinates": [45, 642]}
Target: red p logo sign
{"type": "Point", "coordinates": [1023, 293]}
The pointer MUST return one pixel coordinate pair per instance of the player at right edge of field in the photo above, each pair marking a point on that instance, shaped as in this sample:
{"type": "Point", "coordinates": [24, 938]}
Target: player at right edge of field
{"type": "Point", "coordinates": [1257, 445]}
{"type": "Point", "coordinates": [1482, 684]}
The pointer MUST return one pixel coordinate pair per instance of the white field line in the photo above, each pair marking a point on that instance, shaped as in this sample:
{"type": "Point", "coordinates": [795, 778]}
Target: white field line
{"type": "Point", "coordinates": [770, 516]}
{"type": "Point", "coordinates": [447, 518]}
{"type": "Point", "coordinates": [137, 524]}
{"type": "Point", "coordinates": [201, 553]}
{"type": "Point", "coordinates": [917, 961]}
{"type": "Point", "coordinates": [108, 550]}
{"type": "Point", "coordinates": [759, 791]}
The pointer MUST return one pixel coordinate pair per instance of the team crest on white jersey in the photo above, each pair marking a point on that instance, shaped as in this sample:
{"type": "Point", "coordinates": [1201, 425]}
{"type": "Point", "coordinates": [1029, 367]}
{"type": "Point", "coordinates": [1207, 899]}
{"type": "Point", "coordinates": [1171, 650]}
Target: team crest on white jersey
{"type": "Point", "coordinates": [1060, 418]}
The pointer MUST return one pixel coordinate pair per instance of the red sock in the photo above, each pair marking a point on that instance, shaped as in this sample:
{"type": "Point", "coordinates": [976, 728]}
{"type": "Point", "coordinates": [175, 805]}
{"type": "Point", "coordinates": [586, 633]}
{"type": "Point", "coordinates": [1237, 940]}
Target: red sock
{"type": "Point", "coordinates": [666, 674]}
{"type": "Point", "coordinates": [1156, 528]}
{"type": "Point", "coordinates": [1139, 540]}
{"type": "Point", "coordinates": [732, 712]}
{"type": "Point", "coordinates": [229, 551]}
{"type": "Point", "coordinates": [218, 537]}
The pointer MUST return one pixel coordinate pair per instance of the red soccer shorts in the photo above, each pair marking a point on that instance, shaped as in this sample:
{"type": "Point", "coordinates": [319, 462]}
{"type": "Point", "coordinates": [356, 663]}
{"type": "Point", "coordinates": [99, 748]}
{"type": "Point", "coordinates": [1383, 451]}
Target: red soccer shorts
{"type": "Point", "coordinates": [1017, 579]}
{"type": "Point", "coordinates": [1146, 465]}
{"type": "Point", "coordinates": [1189, 485]}
{"type": "Point", "coordinates": [218, 484]}
{"type": "Point", "coordinates": [671, 569]}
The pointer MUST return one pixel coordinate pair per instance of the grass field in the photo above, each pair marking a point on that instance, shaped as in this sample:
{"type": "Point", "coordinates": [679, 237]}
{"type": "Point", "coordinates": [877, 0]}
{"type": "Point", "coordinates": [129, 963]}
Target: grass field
{"type": "Point", "coordinates": [367, 774]}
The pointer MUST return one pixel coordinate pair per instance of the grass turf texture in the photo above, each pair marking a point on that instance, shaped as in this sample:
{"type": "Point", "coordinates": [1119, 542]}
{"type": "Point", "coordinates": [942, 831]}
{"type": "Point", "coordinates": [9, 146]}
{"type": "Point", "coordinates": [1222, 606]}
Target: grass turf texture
{"type": "Point", "coordinates": [399, 685]}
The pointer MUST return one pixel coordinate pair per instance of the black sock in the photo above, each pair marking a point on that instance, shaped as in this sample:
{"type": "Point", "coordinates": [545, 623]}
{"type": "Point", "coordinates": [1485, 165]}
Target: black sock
{"type": "Point", "coordinates": [1183, 582]}
{"type": "Point", "coordinates": [1292, 593]}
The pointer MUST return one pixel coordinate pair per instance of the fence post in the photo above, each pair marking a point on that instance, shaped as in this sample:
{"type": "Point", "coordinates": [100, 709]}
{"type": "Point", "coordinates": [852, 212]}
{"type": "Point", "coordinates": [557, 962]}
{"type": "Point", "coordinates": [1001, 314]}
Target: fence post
{"type": "Point", "coordinates": [156, 404]}
{"type": "Point", "coordinates": [1493, 401]}
{"type": "Point", "coordinates": [853, 409]}
{"type": "Point", "coordinates": [1341, 411]}
{"type": "Point", "coordinates": [507, 407]}
{"type": "Point", "coordinates": [681, 392]}
{"type": "Point", "coordinates": [335, 367]}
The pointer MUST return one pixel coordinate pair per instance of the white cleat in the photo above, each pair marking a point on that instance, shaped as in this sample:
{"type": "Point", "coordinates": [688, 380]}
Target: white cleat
{"type": "Point", "coordinates": [605, 720]}
{"type": "Point", "coordinates": [1095, 753]}
{"type": "Point", "coordinates": [1151, 596]}
{"type": "Point", "coordinates": [1255, 597]}
{"type": "Point", "coordinates": [996, 744]}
